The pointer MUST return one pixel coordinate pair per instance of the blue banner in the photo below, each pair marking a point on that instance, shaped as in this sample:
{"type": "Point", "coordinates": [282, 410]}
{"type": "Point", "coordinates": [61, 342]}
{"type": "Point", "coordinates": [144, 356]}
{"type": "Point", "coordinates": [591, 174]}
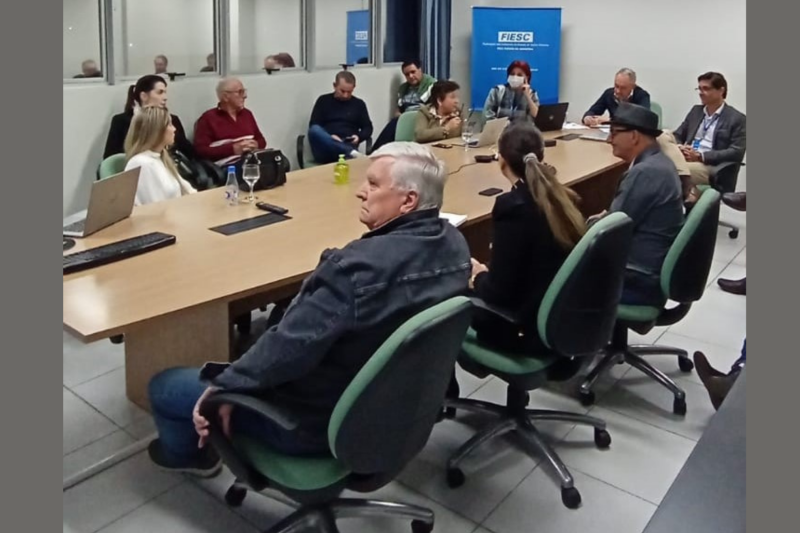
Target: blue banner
{"type": "Point", "coordinates": [501, 35]}
{"type": "Point", "coordinates": [358, 23]}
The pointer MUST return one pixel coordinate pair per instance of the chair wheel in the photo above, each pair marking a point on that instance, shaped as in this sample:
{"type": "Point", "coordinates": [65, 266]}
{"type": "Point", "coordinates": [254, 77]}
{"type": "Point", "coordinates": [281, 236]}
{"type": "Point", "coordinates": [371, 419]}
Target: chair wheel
{"type": "Point", "coordinates": [734, 233]}
{"type": "Point", "coordinates": [418, 526]}
{"type": "Point", "coordinates": [235, 496]}
{"type": "Point", "coordinates": [602, 438]}
{"type": "Point", "coordinates": [455, 478]}
{"type": "Point", "coordinates": [586, 398]}
{"type": "Point", "coordinates": [117, 339]}
{"type": "Point", "coordinates": [679, 406]}
{"type": "Point", "coordinates": [685, 364]}
{"type": "Point", "coordinates": [571, 497]}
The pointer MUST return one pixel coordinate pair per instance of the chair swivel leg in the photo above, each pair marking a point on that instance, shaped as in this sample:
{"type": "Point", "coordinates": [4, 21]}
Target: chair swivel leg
{"type": "Point", "coordinates": [422, 519]}
{"type": "Point", "coordinates": [455, 477]}
{"type": "Point", "coordinates": [585, 392]}
{"type": "Point", "coordinates": [569, 494]}
{"type": "Point", "coordinates": [685, 364]}
{"type": "Point", "coordinates": [679, 405]}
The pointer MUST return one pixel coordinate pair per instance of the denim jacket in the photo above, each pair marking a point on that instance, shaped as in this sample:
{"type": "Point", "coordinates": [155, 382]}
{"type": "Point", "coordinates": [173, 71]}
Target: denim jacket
{"type": "Point", "coordinates": [355, 298]}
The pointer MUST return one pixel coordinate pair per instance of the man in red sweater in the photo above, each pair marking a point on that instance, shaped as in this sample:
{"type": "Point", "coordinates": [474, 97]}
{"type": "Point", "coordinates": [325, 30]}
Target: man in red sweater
{"type": "Point", "coordinates": [229, 129]}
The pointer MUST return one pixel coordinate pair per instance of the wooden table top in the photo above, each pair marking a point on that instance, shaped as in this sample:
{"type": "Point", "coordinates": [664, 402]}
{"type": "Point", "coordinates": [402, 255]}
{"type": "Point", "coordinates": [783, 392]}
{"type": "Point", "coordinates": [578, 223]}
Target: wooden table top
{"type": "Point", "coordinates": [204, 266]}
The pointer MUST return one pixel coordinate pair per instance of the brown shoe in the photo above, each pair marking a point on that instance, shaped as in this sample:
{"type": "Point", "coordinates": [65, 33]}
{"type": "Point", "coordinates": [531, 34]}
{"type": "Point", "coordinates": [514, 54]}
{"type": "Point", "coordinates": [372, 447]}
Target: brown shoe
{"type": "Point", "coordinates": [703, 367]}
{"type": "Point", "coordinates": [719, 387]}
{"type": "Point", "coordinates": [738, 286]}
{"type": "Point", "coordinates": [735, 200]}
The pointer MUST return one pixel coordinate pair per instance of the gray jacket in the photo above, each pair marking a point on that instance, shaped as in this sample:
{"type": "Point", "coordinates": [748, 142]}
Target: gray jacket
{"type": "Point", "coordinates": [650, 194]}
{"type": "Point", "coordinates": [730, 134]}
{"type": "Point", "coordinates": [355, 298]}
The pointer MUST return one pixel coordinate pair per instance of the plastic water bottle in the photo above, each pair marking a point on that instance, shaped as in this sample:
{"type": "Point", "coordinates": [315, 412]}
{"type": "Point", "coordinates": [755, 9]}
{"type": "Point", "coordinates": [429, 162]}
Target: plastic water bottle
{"type": "Point", "coordinates": [341, 172]}
{"type": "Point", "coordinates": [232, 187]}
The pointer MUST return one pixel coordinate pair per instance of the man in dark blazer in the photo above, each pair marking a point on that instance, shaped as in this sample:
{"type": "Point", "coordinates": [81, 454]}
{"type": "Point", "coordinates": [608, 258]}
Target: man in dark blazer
{"type": "Point", "coordinates": [624, 90]}
{"type": "Point", "coordinates": [714, 134]}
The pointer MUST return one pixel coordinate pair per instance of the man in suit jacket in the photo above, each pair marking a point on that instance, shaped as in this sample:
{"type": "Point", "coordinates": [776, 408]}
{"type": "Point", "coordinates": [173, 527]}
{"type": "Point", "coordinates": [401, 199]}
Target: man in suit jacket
{"type": "Point", "coordinates": [713, 134]}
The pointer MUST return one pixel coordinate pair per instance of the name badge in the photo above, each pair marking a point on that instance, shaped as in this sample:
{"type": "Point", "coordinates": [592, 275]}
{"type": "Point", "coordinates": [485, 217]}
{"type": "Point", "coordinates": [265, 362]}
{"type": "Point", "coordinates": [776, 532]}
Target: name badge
{"type": "Point", "coordinates": [696, 145]}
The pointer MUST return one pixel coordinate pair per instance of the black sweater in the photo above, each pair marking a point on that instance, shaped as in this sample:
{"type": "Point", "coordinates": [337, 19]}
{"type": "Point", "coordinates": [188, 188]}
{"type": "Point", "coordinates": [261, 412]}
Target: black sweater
{"type": "Point", "coordinates": [120, 124]}
{"type": "Point", "coordinates": [342, 117]}
{"type": "Point", "coordinates": [525, 259]}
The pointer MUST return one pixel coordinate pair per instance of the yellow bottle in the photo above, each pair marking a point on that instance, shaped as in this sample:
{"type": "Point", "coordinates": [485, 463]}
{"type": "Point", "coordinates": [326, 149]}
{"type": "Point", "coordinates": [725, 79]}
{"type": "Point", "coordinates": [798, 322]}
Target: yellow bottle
{"type": "Point", "coordinates": [341, 172]}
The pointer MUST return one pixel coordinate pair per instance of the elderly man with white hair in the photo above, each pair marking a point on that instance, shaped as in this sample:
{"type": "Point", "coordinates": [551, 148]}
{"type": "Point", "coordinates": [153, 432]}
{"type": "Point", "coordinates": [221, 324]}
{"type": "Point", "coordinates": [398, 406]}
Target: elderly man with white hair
{"type": "Point", "coordinates": [229, 129]}
{"type": "Point", "coordinates": [409, 260]}
{"type": "Point", "coordinates": [625, 89]}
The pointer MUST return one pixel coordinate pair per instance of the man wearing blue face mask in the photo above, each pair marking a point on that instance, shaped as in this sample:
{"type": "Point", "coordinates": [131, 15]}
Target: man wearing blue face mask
{"type": "Point", "coordinates": [515, 99]}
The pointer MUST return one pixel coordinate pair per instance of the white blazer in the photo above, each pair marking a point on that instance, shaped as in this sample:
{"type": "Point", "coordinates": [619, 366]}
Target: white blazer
{"type": "Point", "coordinates": [156, 182]}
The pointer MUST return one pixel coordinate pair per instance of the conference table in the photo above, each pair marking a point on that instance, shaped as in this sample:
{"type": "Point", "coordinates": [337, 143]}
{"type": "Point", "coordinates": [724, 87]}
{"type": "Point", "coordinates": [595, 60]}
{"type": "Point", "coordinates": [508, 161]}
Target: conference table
{"type": "Point", "coordinates": [175, 305]}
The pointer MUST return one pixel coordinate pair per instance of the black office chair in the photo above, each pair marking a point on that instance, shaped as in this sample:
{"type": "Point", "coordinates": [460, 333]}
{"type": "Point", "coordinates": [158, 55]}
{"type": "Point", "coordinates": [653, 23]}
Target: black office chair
{"type": "Point", "coordinates": [724, 180]}
{"type": "Point", "coordinates": [381, 422]}
{"type": "Point", "coordinates": [684, 277]}
{"type": "Point", "coordinates": [305, 158]}
{"type": "Point", "coordinates": [575, 321]}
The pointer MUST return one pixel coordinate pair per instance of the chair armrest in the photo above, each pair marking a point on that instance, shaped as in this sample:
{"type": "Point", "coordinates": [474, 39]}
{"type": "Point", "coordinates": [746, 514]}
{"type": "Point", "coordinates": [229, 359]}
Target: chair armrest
{"type": "Point", "coordinates": [369, 144]}
{"type": "Point", "coordinates": [505, 314]}
{"type": "Point", "coordinates": [269, 411]}
{"type": "Point", "coordinates": [301, 139]}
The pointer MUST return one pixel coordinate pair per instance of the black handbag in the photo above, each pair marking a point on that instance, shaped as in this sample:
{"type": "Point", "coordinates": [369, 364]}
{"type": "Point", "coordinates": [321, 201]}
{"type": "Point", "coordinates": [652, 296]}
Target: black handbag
{"type": "Point", "coordinates": [200, 174]}
{"type": "Point", "coordinates": [272, 164]}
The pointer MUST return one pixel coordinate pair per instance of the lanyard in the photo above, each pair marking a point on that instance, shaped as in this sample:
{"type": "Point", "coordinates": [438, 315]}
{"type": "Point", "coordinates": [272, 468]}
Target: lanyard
{"type": "Point", "coordinates": [707, 123]}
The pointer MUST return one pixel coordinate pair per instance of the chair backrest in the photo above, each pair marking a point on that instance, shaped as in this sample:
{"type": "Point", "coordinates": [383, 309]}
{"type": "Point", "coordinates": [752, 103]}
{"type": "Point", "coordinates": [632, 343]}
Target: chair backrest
{"type": "Point", "coordinates": [405, 126]}
{"type": "Point", "coordinates": [387, 413]}
{"type": "Point", "coordinates": [684, 274]}
{"type": "Point", "coordinates": [655, 107]}
{"type": "Point", "coordinates": [113, 164]}
{"type": "Point", "coordinates": [578, 311]}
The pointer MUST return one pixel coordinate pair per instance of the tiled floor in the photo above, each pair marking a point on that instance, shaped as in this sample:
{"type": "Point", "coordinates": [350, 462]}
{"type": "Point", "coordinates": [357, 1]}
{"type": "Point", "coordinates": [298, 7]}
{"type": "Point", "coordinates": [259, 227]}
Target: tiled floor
{"type": "Point", "coordinates": [506, 491]}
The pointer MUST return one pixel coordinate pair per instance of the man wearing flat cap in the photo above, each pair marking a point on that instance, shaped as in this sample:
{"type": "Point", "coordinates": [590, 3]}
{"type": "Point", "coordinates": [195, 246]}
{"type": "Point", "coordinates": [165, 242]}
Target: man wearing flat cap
{"type": "Point", "coordinates": [650, 194]}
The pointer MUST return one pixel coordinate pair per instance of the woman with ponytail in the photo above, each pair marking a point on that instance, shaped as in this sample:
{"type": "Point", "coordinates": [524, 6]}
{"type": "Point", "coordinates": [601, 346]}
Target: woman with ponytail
{"type": "Point", "coordinates": [149, 91]}
{"type": "Point", "coordinates": [535, 226]}
{"type": "Point", "coordinates": [150, 134]}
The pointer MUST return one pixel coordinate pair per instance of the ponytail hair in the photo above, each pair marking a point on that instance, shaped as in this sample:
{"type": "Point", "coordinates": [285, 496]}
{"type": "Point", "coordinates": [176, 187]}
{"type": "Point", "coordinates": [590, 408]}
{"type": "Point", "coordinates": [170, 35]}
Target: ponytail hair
{"type": "Point", "coordinates": [557, 202]}
{"type": "Point", "coordinates": [522, 148]}
{"type": "Point", "coordinates": [145, 84]}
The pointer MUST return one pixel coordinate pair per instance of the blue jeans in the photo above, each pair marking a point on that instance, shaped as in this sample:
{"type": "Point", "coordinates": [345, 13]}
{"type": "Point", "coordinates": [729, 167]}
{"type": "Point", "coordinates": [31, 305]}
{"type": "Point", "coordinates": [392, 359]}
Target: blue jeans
{"type": "Point", "coordinates": [173, 395]}
{"type": "Point", "coordinates": [325, 148]}
{"type": "Point", "coordinates": [737, 366]}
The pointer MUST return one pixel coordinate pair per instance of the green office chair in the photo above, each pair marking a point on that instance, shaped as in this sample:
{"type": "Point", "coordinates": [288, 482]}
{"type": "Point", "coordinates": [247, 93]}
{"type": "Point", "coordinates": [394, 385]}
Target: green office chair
{"type": "Point", "coordinates": [724, 179]}
{"type": "Point", "coordinates": [405, 126]}
{"type": "Point", "coordinates": [575, 320]}
{"type": "Point", "coordinates": [305, 157]}
{"type": "Point", "coordinates": [383, 419]}
{"type": "Point", "coordinates": [113, 164]}
{"type": "Point", "coordinates": [655, 107]}
{"type": "Point", "coordinates": [684, 277]}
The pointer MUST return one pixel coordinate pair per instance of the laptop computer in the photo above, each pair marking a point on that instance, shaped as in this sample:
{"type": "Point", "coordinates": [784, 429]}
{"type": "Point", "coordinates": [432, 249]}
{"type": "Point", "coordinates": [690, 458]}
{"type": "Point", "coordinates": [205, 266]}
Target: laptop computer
{"type": "Point", "coordinates": [491, 132]}
{"type": "Point", "coordinates": [110, 201]}
{"type": "Point", "coordinates": [551, 117]}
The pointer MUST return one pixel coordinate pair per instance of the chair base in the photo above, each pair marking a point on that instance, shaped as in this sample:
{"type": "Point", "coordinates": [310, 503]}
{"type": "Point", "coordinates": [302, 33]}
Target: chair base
{"type": "Point", "coordinates": [516, 417]}
{"type": "Point", "coordinates": [734, 229]}
{"type": "Point", "coordinates": [323, 517]}
{"type": "Point", "coordinates": [633, 355]}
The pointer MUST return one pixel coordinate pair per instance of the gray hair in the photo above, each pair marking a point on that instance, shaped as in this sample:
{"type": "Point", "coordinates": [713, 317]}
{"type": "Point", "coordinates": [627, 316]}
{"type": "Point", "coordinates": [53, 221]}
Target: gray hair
{"type": "Point", "coordinates": [415, 168]}
{"type": "Point", "coordinates": [223, 85]}
{"type": "Point", "coordinates": [628, 72]}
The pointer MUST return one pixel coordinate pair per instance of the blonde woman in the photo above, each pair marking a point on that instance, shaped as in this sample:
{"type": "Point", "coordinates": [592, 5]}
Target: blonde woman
{"type": "Point", "coordinates": [535, 227]}
{"type": "Point", "coordinates": [149, 136]}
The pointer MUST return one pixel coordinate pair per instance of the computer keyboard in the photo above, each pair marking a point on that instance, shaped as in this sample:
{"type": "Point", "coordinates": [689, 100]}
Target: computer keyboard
{"type": "Point", "coordinates": [116, 251]}
{"type": "Point", "coordinates": [76, 227]}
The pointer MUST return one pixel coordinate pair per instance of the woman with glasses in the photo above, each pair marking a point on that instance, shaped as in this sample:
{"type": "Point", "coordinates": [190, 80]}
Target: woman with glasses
{"type": "Point", "coordinates": [228, 130]}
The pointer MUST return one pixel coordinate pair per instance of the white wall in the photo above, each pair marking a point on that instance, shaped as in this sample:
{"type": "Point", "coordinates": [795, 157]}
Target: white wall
{"type": "Point", "coordinates": [81, 20]}
{"type": "Point", "coordinates": [182, 30]}
{"type": "Point", "coordinates": [281, 103]}
{"type": "Point", "coordinates": [331, 30]}
{"type": "Point", "coordinates": [668, 44]}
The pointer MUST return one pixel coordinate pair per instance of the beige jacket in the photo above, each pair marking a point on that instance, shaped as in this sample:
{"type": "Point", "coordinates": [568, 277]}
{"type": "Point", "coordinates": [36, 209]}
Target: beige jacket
{"type": "Point", "coordinates": [429, 127]}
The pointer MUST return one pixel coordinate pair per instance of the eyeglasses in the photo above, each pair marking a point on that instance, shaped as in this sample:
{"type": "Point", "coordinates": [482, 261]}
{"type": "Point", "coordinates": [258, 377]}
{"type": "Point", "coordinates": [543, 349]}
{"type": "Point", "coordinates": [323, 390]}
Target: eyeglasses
{"type": "Point", "coordinates": [614, 131]}
{"type": "Point", "coordinates": [702, 89]}
{"type": "Point", "coordinates": [240, 92]}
